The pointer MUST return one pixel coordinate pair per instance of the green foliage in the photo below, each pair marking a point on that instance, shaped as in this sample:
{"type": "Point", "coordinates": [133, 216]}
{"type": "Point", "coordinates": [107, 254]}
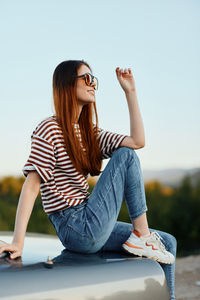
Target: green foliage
{"type": "Point", "coordinates": [174, 210]}
{"type": "Point", "coordinates": [184, 219]}
{"type": "Point", "coordinates": [159, 204]}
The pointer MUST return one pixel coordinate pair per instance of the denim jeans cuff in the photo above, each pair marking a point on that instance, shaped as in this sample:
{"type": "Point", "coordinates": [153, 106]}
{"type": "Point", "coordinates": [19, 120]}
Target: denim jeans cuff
{"type": "Point", "coordinates": [142, 211]}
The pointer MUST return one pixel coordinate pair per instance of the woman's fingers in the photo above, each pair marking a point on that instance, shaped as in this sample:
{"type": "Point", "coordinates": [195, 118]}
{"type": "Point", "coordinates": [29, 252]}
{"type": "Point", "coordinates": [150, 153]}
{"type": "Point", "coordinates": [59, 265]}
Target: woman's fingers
{"type": "Point", "coordinates": [118, 70]}
{"type": "Point", "coordinates": [125, 79]}
{"type": "Point", "coordinates": [15, 254]}
{"type": "Point", "coordinates": [123, 71]}
{"type": "Point", "coordinates": [15, 251]}
{"type": "Point", "coordinates": [5, 248]}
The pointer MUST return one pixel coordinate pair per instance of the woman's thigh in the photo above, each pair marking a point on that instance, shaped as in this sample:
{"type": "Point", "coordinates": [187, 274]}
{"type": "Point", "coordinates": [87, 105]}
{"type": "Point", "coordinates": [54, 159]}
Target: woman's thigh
{"type": "Point", "coordinates": [118, 236]}
{"type": "Point", "coordinates": [70, 227]}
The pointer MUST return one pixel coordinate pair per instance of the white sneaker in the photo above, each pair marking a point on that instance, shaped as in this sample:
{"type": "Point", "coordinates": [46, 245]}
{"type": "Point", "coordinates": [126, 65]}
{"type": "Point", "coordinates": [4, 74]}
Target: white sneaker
{"type": "Point", "coordinates": [151, 247]}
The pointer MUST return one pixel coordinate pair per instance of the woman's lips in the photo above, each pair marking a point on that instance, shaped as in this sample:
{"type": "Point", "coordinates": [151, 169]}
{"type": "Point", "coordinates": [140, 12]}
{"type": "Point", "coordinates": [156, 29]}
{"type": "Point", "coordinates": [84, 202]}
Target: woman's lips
{"type": "Point", "coordinates": [92, 92]}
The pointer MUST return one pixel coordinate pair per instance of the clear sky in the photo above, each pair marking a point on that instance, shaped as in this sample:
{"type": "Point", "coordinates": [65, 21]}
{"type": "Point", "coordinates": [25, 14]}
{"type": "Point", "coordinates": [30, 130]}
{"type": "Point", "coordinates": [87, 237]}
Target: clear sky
{"type": "Point", "coordinates": [158, 40]}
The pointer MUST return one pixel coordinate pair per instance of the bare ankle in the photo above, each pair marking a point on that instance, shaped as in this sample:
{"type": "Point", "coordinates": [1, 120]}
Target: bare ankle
{"type": "Point", "coordinates": [141, 225]}
{"type": "Point", "coordinates": [143, 232]}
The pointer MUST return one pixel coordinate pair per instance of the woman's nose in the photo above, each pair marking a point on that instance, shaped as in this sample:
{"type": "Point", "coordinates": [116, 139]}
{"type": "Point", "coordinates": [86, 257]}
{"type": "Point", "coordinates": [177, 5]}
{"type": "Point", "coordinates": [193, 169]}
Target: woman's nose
{"type": "Point", "coordinates": [93, 84]}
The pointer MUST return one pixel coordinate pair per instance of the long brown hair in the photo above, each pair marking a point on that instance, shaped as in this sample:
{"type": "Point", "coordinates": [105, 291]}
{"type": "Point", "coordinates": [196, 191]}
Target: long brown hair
{"type": "Point", "coordinates": [66, 110]}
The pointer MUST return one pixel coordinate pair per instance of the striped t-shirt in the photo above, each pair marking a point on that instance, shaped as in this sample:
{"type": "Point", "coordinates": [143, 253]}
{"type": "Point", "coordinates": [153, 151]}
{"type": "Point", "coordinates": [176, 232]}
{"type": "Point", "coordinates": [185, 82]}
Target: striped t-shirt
{"type": "Point", "coordinates": [62, 185]}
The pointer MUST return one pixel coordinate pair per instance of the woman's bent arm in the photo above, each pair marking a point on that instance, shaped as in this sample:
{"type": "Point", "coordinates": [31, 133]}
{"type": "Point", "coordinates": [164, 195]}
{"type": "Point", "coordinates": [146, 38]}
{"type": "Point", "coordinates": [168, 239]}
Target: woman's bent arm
{"type": "Point", "coordinates": [136, 139]}
{"type": "Point", "coordinates": [26, 202]}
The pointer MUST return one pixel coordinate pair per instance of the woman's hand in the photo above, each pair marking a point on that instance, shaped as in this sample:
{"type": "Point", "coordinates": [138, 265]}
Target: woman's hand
{"type": "Point", "coordinates": [15, 249]}
{"type": "Point", "coordinates": [126, 79]}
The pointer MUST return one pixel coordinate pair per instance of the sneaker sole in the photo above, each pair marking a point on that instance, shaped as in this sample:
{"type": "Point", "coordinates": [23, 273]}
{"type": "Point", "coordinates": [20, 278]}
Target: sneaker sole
{"type": "Point", "coordinates": [139, 252]}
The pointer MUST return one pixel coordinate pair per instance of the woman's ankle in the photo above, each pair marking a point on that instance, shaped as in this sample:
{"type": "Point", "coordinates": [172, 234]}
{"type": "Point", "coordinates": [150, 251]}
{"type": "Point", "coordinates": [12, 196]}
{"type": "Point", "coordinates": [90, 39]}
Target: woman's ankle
{"type": "Point", "coordinates": [143, 232]}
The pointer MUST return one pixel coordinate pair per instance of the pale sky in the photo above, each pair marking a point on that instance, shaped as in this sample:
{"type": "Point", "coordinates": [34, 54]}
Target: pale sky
{"type": "Point", "coordinates": [158, 40]}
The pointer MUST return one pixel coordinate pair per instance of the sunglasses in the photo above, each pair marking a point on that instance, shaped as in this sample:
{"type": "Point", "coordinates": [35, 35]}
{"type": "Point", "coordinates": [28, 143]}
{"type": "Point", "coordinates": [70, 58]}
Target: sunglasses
{"type": "Point", "coordinates": [89, 79]}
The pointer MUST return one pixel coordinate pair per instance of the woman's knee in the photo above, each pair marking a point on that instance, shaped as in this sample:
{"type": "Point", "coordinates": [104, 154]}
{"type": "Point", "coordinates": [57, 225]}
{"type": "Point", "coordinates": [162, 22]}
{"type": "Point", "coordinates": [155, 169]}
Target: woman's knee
{"type": "Point", "coordinates": [127, 152]}
{"type": "Point", "coordinates": [172, 239]}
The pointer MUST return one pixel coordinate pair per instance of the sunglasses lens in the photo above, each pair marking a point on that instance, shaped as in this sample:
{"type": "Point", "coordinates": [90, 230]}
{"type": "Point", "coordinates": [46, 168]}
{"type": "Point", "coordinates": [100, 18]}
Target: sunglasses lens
{"type": "Point", "coordinates": [89, 81]}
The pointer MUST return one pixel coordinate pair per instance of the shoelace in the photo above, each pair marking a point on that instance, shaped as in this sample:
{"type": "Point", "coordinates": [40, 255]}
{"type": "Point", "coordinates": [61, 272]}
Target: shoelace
{"type": "Point", "coordinates": [158, 238]}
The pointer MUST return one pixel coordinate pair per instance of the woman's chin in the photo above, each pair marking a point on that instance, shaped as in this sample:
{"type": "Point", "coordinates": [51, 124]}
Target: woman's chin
{"type": "Point", "coordinates": [91, 100]}
{"type": "Point", "coordinates": [87, 101]}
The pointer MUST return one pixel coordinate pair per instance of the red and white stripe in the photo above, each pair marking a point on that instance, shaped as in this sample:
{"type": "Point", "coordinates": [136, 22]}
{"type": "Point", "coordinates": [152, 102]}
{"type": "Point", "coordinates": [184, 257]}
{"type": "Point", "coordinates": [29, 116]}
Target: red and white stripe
{"type": "Point", "coordinates": [62, 185]}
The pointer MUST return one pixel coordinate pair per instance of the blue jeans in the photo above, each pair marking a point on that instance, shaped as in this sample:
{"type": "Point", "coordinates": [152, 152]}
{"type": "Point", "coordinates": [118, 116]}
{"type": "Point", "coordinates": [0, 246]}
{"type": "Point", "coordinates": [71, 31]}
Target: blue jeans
{"type": "Point", "coordinates": [92, 226]}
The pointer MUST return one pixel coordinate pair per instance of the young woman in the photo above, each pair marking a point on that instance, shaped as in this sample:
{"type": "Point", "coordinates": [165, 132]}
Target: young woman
{"type": "Point", "coordinates": [68, 146]}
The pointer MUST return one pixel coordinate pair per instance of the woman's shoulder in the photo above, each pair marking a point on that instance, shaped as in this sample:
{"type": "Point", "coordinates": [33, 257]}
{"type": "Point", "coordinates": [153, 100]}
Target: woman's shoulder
{"type": "Point", "coordinates": [47, 126]}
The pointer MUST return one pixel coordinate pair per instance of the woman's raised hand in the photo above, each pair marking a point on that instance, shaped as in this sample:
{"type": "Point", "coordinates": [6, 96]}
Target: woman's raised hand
{"type": "Point", "coordinates": [16, 250]}
{"type": "Point", "coordinates": [126, 79]}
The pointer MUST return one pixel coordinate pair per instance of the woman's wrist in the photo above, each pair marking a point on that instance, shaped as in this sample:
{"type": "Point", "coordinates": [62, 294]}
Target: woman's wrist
{"type": "Point", "coordinates": [129, 92]}
{"type": "Point", "coordinates": [131, 96]}
{"type": "Point", "coordinates": [18, 243]}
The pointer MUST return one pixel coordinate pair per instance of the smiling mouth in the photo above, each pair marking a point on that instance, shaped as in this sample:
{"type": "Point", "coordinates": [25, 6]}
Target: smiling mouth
{"type": "Point", "coordinates": [91, 92]}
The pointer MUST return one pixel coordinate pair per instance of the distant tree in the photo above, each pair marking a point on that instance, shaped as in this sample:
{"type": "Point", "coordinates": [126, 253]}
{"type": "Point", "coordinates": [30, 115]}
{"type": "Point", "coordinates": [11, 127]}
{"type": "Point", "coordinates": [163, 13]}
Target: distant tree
{"type": "Point", "coordinates": [11, 185]}
{"type": "Point", "coordinates": [159, 204]}
{"type": "Point", "coordinates": [185, 216]}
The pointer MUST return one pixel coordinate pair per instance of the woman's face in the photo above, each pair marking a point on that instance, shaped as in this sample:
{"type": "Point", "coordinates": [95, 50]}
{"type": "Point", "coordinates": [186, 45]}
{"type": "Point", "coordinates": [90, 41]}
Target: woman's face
{"type": "Point", "coordinates": [85, 93]}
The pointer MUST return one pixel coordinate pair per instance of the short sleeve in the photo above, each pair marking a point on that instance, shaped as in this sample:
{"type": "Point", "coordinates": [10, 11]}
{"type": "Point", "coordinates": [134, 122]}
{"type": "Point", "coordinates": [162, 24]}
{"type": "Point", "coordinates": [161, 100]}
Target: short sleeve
{"type": "Point", "coordinates": [41, 158]}
{"type": "Point", "coordinates": [109, 142]}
